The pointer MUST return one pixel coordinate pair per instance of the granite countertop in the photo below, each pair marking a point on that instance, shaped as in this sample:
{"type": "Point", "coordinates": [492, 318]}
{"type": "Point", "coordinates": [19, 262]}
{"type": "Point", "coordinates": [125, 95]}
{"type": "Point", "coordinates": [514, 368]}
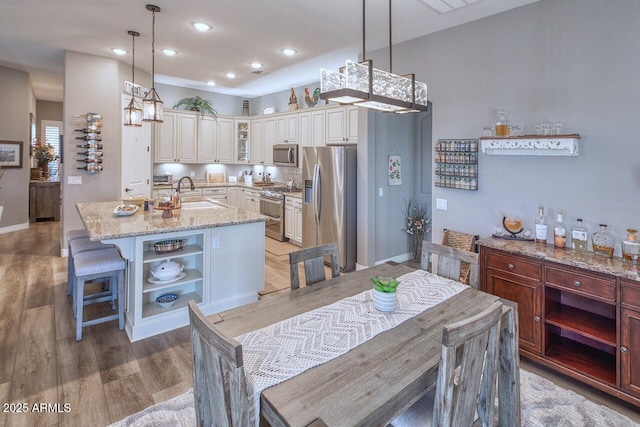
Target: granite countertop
{"type": "Point", "coordinates": [585, 260]}
{"type": "Point", "coordinates": [102, 224]}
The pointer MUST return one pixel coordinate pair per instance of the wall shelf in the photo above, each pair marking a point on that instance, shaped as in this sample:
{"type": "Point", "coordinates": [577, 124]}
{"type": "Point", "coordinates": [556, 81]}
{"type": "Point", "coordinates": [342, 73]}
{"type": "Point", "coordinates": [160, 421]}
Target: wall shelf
{"type": "Point", "coordinates": [457, 164]}
{"type": "Point", "coordinates": [531, 145]}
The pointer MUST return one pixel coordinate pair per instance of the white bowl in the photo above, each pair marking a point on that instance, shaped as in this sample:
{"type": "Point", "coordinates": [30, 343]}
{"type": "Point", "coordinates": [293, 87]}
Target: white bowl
{"type": "Point", "coordinates": [167, 300]}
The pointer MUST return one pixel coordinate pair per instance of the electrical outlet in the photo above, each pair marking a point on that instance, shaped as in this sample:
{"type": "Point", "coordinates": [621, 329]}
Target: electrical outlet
{"type": "Point", "coordinates": [193, 174]}
{"type": "Point", "coordinates": [441, 204]}
{"type": "Point", "coordinates": [215, 242]}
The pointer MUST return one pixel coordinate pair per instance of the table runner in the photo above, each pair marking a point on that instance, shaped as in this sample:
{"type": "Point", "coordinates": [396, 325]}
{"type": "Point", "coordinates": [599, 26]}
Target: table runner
{"type": "Point", "coordinates": [287, 348]}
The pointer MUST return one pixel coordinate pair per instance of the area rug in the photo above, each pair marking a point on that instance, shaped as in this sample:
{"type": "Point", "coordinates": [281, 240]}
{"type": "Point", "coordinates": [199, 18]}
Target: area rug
{"type": "Point", "coordinates": [543, 404]}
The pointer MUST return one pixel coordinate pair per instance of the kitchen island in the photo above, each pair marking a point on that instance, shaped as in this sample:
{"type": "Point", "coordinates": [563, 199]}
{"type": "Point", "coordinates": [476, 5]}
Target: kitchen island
{"type": "Point", "coordinates": [222, 255]}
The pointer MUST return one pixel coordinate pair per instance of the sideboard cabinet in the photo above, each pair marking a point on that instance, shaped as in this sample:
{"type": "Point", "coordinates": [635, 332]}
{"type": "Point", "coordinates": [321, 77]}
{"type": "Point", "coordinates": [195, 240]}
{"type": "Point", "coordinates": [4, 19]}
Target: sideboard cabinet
{"type": "Point", "coordinates": [578, 313]}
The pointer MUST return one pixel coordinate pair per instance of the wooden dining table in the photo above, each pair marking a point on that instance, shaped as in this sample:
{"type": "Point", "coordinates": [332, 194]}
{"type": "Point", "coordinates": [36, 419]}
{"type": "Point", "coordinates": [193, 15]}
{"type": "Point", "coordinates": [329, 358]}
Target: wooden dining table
{"type": "Point", "coordinates": [377, 380]}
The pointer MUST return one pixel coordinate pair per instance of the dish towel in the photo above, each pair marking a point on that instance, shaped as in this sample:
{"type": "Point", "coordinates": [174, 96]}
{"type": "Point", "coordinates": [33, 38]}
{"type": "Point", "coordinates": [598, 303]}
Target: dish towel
{"type": "Point", "coordinates": [285, 349]}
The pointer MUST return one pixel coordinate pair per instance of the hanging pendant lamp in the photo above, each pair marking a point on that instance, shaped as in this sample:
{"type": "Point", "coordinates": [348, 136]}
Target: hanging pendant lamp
{"type": "Point", "coordinates": [152, 105]}
{"type": "Point", "coordinates": [133, 111]}
{"type": "Point", "coordinates": [360, 84]}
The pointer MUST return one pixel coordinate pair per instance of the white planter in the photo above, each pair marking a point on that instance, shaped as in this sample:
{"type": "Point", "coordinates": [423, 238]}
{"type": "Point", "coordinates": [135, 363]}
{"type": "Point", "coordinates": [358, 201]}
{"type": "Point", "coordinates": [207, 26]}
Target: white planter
{"type": "Point", "coordinates": [384, 301]}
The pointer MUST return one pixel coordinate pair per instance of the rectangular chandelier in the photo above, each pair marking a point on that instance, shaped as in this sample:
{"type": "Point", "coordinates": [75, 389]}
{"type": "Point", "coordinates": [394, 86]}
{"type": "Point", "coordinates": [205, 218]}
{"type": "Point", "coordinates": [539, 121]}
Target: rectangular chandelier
{"type": "Point", "coordinates": [360, 84]}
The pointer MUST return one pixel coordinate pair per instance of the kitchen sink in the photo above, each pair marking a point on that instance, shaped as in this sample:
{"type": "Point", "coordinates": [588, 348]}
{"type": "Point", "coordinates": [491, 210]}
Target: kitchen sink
{"type": "Point", "coordinates": [202, 204]}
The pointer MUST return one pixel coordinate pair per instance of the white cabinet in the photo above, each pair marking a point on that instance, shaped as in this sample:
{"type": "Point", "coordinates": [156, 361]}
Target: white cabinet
{"type": "Point", "coordinates": [225, 139]}
{"type": "Point", "coordinates": [242, 141]}
{"type": "Point", "coordinates": [342, 125]}
{"type": "Point", "coordinates": [175, 139]}
{"type": "Point", "coordinates": [212, 148]}
{"type": "Point", "coordinates": [270, 139]}
{"type": "Point", "coordinates": [311, 131]}
{"type": "Point", "coordinates": [293, 219]}
{"type": "Point", "coordinates": [233, 197]}
{"type": "Point", "coordinates": [252, 200]}
{"type": "Point", "coordinates": [287, 129]}
{"type": "Point", "coordinates": [217, 193]}
{"type": "Point", "coordinates": [256, 155]}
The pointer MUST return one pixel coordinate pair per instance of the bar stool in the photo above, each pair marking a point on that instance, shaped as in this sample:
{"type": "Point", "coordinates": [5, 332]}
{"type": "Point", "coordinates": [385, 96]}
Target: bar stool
{"type": "Point", "coordinates": [76, 246]}
{"type": "Point", "coordinates": [89, 265]}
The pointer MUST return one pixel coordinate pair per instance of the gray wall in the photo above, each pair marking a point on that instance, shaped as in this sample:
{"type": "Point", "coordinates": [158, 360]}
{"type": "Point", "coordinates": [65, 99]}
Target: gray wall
{"type": "Point", "coordinates": [571, 60]}
{"type": "Point", "coordinates": [47, 110]}
{"type": "Point", "coordinates": [16, 90]}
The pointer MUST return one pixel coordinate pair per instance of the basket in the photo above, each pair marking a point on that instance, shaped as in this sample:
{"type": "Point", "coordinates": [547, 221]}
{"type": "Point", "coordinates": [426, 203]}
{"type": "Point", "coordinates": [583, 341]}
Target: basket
{"type": "Point", "coordinates": [463, 241]}
{"type": "Point", "coordinates": [168, 246]}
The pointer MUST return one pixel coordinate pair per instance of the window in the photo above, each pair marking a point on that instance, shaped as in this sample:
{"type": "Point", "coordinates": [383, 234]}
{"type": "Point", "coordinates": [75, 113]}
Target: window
{"type": "Point", "coordinates": [51, 132]}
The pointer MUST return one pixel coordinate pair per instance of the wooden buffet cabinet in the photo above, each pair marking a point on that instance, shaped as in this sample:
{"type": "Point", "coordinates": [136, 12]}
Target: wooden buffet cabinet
{"type": "Point", "coordinates": [578, 313]}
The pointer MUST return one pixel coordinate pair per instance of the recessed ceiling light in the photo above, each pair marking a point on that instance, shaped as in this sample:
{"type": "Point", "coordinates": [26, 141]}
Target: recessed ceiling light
{"type": "Point", "coordinates": [169, 52]}
{"type": "Point", "coordinates": [119, 51]}
{"type": "Point", "coordinates": [256, 65]}
{"type": "Point", "coordinates": [231, 75]}
{"type": "Point", "coordinates": [201, 26]}
{"type": "Point", "coordinates": [210, 83]}
{"type": "Point", "coordinates": [289, 52]}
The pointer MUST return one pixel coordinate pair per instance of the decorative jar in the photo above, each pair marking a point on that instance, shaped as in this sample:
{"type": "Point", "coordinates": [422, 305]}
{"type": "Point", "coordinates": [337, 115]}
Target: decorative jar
{"type": "Point", "coordinates": [631, 247]}
{"type": "Point", "coordinates": [603, 243]}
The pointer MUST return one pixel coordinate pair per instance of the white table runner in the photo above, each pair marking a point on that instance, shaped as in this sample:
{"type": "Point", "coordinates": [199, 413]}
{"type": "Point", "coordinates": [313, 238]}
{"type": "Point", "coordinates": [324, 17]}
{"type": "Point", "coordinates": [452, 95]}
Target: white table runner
{"type": "Point", "coordinates": [285, 349]}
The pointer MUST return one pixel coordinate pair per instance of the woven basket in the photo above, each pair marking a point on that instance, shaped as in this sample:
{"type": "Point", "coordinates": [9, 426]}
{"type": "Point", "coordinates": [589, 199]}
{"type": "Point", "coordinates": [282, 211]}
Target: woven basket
{"type": "Point", "coordinates": [462, 241]}
{"type": "Point", "coordinates": [168, 246]}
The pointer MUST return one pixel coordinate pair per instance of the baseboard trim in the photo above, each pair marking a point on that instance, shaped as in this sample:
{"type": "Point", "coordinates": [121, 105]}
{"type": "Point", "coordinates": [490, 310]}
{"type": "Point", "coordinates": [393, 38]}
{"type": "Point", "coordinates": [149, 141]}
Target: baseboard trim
{"type": "Point", "coordinates": [398, 258]}
{"type": "Point", "coordinates": [16, 227]}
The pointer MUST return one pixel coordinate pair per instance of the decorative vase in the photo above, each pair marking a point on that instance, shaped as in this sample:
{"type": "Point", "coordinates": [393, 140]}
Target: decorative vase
{"type": "Point", "coordinates": [44, 167]}
{"type": "Point", "coordinates": [384, 301]}
{"type": "Point", "coordinates": [417, 244]}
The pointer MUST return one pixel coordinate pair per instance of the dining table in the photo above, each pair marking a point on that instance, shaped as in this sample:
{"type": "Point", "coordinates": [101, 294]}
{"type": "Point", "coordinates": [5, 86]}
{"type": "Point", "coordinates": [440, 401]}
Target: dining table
{"type": "Point", "coordinates": [378, 379]}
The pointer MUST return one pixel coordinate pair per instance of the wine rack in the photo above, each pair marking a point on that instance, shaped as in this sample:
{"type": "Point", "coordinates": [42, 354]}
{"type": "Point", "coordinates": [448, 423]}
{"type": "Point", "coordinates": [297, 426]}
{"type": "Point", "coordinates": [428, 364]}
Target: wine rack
{"type": "Point", "coordinates": [90, 137]}
{"type": "Point", "coordinates": [457, 164]}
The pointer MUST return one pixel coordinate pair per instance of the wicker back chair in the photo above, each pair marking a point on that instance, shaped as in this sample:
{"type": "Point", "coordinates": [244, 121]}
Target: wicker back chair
{"type": "Point", "coordinates": [462, 241]}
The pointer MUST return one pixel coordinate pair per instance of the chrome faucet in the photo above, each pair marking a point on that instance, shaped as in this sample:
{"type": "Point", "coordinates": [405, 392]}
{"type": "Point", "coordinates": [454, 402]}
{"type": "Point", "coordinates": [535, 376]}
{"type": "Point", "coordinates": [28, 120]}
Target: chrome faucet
{"type": "Point", "coordinates": [178, 198]}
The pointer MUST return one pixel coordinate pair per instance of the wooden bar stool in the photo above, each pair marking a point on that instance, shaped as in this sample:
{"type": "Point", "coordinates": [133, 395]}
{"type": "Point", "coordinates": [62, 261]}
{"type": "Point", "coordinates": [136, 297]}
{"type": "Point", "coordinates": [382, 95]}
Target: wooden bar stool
{"type": "Point", "coordinates": [89, 265]}
{"type": "Point", "coordinates": [76, 246]}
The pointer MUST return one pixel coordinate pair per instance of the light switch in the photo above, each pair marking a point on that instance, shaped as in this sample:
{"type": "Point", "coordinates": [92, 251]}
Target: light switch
{"type": "Point", "coordinates": [441, 204]}
{"type": "Point", "coordinates": [215, 242]}
{"type": "Point", "coordinates": [74, 180]}
{"type": "Point", "coordinates": [193, 174]}
{"type": "Point", "coordinates": [380, 192]}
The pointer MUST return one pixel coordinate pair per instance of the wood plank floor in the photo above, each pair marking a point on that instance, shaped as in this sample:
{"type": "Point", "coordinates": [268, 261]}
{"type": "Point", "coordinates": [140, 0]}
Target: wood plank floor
{"type": "Point", "coordinates": [104, 377]}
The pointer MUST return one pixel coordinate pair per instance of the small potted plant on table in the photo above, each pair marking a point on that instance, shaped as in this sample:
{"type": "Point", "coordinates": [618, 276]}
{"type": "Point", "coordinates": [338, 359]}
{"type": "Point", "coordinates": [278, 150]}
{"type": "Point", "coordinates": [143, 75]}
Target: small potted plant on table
{"type": "Point", "coordinates": [384, 293]}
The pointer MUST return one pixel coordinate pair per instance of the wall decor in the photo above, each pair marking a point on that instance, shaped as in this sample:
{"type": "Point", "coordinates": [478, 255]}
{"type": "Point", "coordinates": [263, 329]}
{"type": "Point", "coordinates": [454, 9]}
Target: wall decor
{"type": "Point", "coordinates": [11, 154]}
{"type": "Point", "coordinates": [457, 164]}
{"type": "Point", "coordinates": [395, 177]}
{"type": "Point", "coordinates": [91, 136]}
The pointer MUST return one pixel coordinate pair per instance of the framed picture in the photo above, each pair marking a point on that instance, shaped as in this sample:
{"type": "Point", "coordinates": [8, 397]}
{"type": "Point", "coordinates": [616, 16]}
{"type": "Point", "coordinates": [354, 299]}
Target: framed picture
{"type": "Point", "coordinates": [11, 154]}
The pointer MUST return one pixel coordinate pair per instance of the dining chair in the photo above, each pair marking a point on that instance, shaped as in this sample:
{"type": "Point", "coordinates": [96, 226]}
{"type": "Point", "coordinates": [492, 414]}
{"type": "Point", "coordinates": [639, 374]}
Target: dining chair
{"type": "Point", "coordinates": [219, 384]}
{"type": "Point", "coordinates": [464, 241]}
{"type": "Point", "coordinates": [450, 262]}
{"type": "Point", "coordinates": [313, 264]}
{"type": "Point", "coordinates": [466, 387]}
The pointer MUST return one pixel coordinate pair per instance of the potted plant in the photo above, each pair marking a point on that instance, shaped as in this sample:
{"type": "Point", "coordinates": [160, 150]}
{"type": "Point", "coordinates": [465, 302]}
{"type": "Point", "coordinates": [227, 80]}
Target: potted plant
{"type": "Point", "coordinates": [195, 103]}
{"type": "Point", "coordinates": [384, 293]}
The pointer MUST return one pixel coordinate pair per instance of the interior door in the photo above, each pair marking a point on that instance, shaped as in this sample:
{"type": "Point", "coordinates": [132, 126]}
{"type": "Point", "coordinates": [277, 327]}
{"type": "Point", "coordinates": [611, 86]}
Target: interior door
{"type": "Point", "coordinates": [135, 173]}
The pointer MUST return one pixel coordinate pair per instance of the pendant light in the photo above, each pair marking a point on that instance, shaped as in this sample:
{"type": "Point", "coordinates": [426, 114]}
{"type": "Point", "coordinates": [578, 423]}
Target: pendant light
{"type": "Point", "coordinates": [360, 84]}
{"type": "Point", "coordinates": [133, 111]}
{"type": "Point", "coordinates": [152, 104]}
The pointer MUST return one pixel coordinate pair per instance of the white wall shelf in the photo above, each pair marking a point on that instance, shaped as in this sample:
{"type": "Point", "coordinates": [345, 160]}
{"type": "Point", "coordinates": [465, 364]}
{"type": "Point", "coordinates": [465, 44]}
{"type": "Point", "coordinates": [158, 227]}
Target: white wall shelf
{"type": "Point", "coordinates": [531, 145]}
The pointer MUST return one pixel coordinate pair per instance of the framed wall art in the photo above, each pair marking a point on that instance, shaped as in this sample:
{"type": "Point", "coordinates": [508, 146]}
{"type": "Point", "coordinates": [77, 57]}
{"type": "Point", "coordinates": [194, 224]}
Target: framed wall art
{"type": "Point", "coordinates": [11, 154]}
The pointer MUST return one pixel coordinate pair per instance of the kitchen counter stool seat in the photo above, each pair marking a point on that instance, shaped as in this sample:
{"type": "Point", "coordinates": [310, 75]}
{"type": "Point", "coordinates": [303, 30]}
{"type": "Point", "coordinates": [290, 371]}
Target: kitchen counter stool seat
{"type": "Point", "coordinates": [89, 265]}
{"type": "Point", "coordinates": [78, 244]}
{"type": "Point", "coordinates": [76, 234]}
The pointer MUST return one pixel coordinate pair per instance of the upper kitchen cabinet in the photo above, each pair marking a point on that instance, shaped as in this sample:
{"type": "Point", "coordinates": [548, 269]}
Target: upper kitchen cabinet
{"type": "Point", "coordinates": [312, 130]}
{"type": "Point", "coordinates": [242, 141]}
{"type": "Point", "coordinates": [287, 129]}
{"type": "Point", "coordinates": [256, 155]}
{"type": "Point", "coordinates": [176, 138]}
{"type": "Point", "coordinates": [211, 147]}
{"type": "Point", "coordinates": [270, 138]}
{"type": "Point", "coordinates": [225, 140]}
{"type": "Point", "coordinates": [342, 125]}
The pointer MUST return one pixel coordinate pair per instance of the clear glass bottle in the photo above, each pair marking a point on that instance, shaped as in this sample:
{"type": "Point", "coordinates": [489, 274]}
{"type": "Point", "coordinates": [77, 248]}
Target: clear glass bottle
{"type": "Point", "coordinates": [559, 232]}
{"type": "Point", "coordinates": [579, 236]}
{"type": "Point", "coordinates": [502, 125]}
{"type": "Point", "coordinates": [631, 247]}
{"type": "Point", "coordinates": [541, 226]}
{"type": "Point", "coordinates": [603, 243]}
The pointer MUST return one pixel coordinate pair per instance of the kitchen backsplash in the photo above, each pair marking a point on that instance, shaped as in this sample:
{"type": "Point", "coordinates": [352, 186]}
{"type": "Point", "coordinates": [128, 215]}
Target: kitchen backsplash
{"type": "Point", "coordinates": [282, 174]}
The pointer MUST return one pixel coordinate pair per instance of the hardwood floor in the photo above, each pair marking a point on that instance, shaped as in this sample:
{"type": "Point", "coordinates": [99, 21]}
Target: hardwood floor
{"type": "Point", "coordinates": [104, 377]}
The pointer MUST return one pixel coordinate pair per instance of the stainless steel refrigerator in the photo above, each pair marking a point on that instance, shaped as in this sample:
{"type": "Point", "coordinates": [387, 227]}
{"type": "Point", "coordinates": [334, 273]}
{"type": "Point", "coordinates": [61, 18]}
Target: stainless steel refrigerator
{"type": "Point", "coordinates": [329, 200]}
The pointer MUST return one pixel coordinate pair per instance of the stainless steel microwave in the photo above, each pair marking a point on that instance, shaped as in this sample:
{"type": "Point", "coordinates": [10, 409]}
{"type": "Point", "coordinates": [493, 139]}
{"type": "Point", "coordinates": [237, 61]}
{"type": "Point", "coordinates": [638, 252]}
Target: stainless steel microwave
{"type": "Point", "coordinates": [285, 155]}
{"type": "Point", "coordinates": [163, 178]}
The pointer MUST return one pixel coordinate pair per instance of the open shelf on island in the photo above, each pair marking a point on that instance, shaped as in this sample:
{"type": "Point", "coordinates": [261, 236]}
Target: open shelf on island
{"type": "Point", "coordinates": [151, 255]}
{"type": "Point", "coordinates": [152, 308]}
{"type": "Point", "coordinates": [191, 276]}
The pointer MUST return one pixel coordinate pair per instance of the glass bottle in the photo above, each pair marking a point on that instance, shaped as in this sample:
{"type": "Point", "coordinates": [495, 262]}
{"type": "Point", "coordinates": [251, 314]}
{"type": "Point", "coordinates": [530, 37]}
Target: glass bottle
{"type": "Point", "coordinates": [559, 232]}
{"type": "Point", "coordinates": [603, 242]}
{"type": "Point", "coordinates": [541, 226]}
{"type": "Point", "coordinates": [579, 236]}
{"type": "Point", "coordinates": [502, 126]}
{"type": "Point", "coordinates": [631, 247]}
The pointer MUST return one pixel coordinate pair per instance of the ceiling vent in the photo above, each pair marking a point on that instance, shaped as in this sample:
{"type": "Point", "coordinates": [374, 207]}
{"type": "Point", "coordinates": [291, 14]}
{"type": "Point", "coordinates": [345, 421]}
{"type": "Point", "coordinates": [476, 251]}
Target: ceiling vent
{"type": "Point", "coordinates": [257, 72]}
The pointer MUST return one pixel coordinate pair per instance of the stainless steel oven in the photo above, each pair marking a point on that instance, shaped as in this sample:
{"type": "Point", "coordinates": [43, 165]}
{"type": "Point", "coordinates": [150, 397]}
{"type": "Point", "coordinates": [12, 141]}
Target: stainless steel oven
{"type": "Point", "coordinates": [273, 207]}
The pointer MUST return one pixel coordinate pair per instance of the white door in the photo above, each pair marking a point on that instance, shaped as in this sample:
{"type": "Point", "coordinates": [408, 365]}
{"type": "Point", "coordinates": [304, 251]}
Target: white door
{"type": "Point", "coordinates": [135, 175]}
